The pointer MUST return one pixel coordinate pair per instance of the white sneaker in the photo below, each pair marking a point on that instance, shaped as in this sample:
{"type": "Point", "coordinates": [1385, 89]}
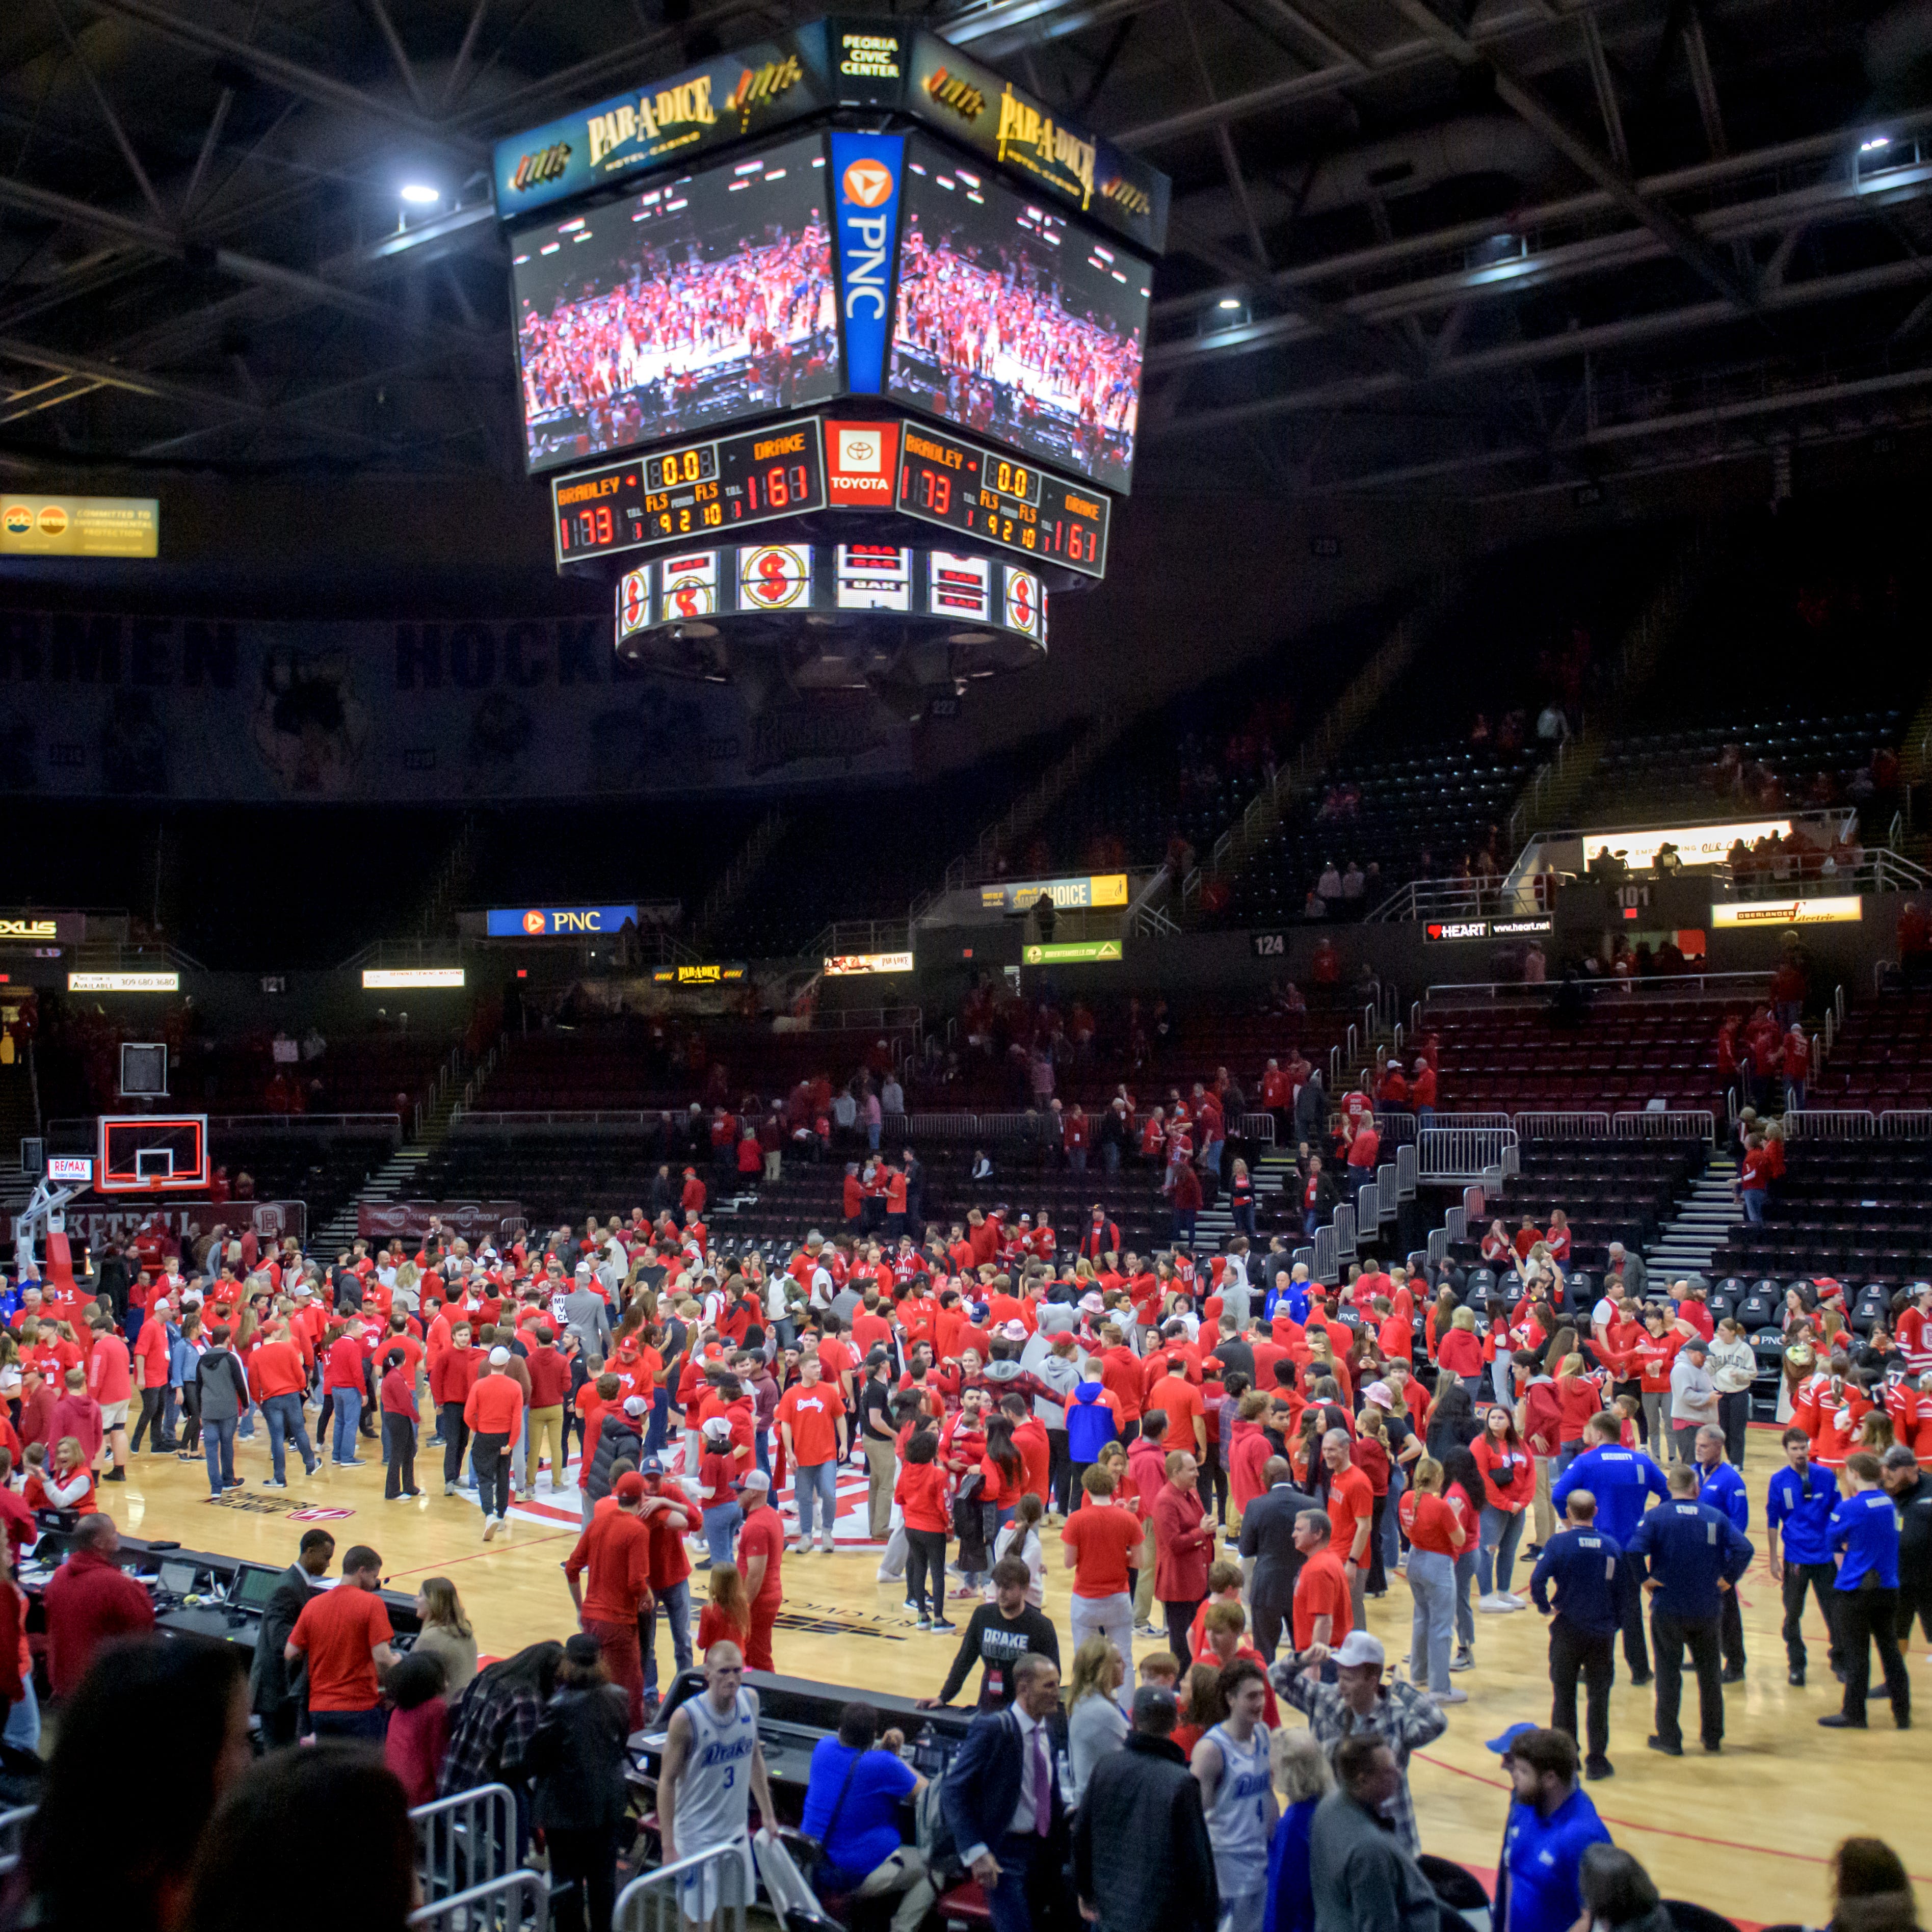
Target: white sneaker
{"type": "Point", "coordinates": [825, 1546]}
{"type": "Point", "coordinates": [1495, 1605]}
{"type": "Point", "coordinates": [802, 1547]}
{"type": "Point", "coordinates": [1451, 1695]}
{"type": "Point", "coordinates": [1512, 1601]}
{"type": "Point", "coordinates": [489, 1529]}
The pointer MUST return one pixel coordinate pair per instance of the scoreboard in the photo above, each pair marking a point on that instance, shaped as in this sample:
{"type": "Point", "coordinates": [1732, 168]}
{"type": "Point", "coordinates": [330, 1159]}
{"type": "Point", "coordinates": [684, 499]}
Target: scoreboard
{"type": "Point", "coordinates": [694, 489]}
{"type": "Point", "coordinates": [1000, 500]}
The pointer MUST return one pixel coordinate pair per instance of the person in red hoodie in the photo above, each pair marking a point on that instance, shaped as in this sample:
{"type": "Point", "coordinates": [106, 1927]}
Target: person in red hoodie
{"type": "Point", "coordinates": [342, 1389]}
{"type": "Point", "coordinates": [1147, 1474]}
{"type": "Point", "coordinates": [77, 1414]}
{"type": "Point", "coordinates": [278, 1376]}
{"type": "Point", "coordinates": [1247, 1451]}
{"type": "Point", "coordinates": [110, 1381]}
{"type": "Point", "coordinates": [494, 1411]}
{"type": "Point", "coordinates": [450, 1375]}
{"type": "Point", "coordinates": [549, 1370]}
{"type": "Point", "coordinates": [1579, 1396]}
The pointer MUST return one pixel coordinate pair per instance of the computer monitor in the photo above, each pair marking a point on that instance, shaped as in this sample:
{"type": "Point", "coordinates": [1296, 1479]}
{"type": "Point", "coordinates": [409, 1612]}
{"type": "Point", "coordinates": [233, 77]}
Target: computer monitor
{"type": "Point", "coordinates": [254, 1584]}
{"type": "Point", "coordinates": [178, 1579]}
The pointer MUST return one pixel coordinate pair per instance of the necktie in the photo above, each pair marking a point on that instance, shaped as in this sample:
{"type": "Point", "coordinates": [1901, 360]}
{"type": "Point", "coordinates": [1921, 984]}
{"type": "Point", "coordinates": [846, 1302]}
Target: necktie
{"type": "Point", "coordinates": [1041, 1783]}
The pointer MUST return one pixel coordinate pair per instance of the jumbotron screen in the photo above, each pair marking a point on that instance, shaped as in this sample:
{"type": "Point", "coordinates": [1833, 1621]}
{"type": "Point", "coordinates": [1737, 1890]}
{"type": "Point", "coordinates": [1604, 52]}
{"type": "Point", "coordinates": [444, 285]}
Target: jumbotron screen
{"type": "Point", "coordinates": [1014, 323]}
{"type": "Point", "coordinates": [701, 302]}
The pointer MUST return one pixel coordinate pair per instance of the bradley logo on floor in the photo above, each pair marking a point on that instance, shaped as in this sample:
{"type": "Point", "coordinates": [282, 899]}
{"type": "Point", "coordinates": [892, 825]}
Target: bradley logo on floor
{"type": "Point", "coordinates": [828, 1620]}
{"type": "Point", "coordinates": [255, 1505]}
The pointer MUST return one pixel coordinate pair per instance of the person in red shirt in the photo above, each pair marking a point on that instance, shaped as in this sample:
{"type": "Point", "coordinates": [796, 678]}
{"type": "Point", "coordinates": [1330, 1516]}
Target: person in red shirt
{"type": "Point", "coordinates": [1351, 1502]}
{"type": "Point", "coordinates": [396, 1396]}
{"type": "Point", "coordinates": [150, 1377]}
{"type": "Point", "coordinates": [1323, 1613]}
{"type": "Point", "coordinates": [1436, 1537]}
{"type": "Point", "coordinates": [344, 1632]}
{"type": "Point", "coordinates": [110, 1381]}
{"type": "Point", "coordinates": [91, 1600]}
{"type": "Point", "coordinates": [1103, 1543]}
{"type": "Point", "coordinates": [761, 1554]}
{"type": "Point", "coordinates": [549, 1370]}
{"type": "Point", "coordinates": [494, 1411]}
{"type": "Point", "coordinates": [616, 1550]}
{"type": "Point", "coordinates": [812, 1425]}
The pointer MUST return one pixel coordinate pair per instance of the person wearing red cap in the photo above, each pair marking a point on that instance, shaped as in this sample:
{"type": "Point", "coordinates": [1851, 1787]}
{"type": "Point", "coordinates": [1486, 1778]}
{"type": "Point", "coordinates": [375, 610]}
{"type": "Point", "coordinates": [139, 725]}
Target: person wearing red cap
{"type": "Point", "coordinates": [616, 1550]}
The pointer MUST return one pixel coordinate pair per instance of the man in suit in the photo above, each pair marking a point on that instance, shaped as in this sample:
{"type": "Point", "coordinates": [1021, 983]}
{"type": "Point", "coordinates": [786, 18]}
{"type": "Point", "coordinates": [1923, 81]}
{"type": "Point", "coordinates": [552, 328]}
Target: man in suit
{"type": "Point", "coordinates": [1269, 1555]}
{"type": "Point", "coordinates": [1003, 1803]}
{"type": "Point", "coordinates": [275, 1689]}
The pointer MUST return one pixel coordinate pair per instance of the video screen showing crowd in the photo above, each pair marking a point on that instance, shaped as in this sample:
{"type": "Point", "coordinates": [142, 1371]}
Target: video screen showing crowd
{"type": "Point", "coordinates": [1013, 324]}
{"type": "Point", "coordinates": [702, 302]}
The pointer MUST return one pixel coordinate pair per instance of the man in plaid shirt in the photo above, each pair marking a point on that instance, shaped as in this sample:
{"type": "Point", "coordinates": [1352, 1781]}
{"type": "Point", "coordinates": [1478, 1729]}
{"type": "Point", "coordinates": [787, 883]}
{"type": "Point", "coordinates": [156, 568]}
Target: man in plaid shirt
{"type": "Point", "coordinates": [1402, 1716]}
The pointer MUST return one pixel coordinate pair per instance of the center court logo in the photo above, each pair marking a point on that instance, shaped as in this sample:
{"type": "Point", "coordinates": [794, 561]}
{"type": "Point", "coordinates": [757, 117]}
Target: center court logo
{"type": "Point", "coordinates": [869, 183]}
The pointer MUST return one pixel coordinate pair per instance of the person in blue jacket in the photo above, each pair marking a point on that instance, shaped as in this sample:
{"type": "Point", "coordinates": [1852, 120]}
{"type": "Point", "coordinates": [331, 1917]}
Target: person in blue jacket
{"type": "Point", "coordinates": [1688, 1555]}
{"type": "Point", "coordinates": [1802, 1496]}
{"type": "Point", "coordinates": [1864, 1532]}
{"type": "Point", "coordinates": [1625, 1482]}
{"type": "Point", "coordinates": [1552, 1823]}
{"type": "Point", "coordinates": [1585, 1565]}
{"type": "Point", "coordinates": [1090, 1428]}
{"type": "Point", "coordinates": [1722, 1485]}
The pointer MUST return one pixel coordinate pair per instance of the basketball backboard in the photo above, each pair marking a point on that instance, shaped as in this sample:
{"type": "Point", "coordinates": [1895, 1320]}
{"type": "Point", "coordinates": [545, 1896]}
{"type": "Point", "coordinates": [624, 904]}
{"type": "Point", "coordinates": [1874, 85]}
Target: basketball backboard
{"type": "Point", "coordinates": [152, 1153]}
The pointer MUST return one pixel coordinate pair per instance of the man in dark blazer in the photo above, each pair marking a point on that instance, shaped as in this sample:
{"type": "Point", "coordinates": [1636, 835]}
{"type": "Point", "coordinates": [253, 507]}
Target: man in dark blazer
{"type": "Point", "coordinates": [1003, 1803]}
{"type": "Point", "coordinates": [1267, 1544]}
{"type": "Point", "coordinates": [276, 1690]}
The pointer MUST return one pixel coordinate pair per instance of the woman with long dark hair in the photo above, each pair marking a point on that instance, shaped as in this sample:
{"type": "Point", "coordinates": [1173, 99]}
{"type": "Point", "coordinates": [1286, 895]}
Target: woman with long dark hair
{"type": "Point", "coordinates": [578, 1758]}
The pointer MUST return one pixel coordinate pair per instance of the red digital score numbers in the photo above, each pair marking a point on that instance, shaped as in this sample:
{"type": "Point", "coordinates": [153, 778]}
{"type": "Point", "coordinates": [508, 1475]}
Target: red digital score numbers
{"type": "Point", "coordinates": [1000, 501]}
{"type": "Point", "coordinates": [673, 496]}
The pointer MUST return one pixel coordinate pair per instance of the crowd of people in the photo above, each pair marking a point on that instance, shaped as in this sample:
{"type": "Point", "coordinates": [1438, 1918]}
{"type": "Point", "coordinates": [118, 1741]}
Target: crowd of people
{"type": "Point", "coordinates": [1231, 1462]}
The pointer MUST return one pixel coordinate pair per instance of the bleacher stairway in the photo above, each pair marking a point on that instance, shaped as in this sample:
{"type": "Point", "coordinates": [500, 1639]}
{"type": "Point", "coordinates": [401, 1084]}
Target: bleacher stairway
{"type": "Point", "coordinates": [1685, 1245]}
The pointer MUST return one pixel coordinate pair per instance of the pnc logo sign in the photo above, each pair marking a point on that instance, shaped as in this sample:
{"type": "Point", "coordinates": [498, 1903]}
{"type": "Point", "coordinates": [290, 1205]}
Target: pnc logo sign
{"type": "Point", "coordinates": [534, 922]}
{"type": "Point", "coordinates": [866, 167]}
{"type": "Point", "coordinates": [869, 183]}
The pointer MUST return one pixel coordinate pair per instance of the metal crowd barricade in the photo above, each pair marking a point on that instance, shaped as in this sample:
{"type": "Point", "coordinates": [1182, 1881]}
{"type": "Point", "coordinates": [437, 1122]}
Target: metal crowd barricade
{"type": "Point", "coordinates": [1456, 1224]}
{"type": "Point", "coordinates": [1345, 1225]}
{"type": "Point", "coordinates": [1385, 1191]}
{"type": "Point", "coordinates": [1833, 1124]}
{"type": "Point", "coordinates": [1895, 1124]}
{"type": "Point", "coordinates": [1562, 1127]}
{"type": "Point", "coordinates": [651, 1904]}
{"type": "Point", "coordinates": [1464, 1153]}
{"type": "Point", "coordinates": [1327, 1268]}
{"type": "Point", "coordinates": [1675, 1124]}
{"type": "Point", "coordinates": [1407, 1167]}
{"type": "Point", "coordinates": [13, 1835]}
{"type": "Point", "coordinates": [1368, 1209]}
{"type": "Point", "coordinates": [942, 1126]}
{"type": "Point", "coordinates": [1257, 1127]}
{"type": "Point", "coordinates": [518, 1901]}
{"type": "Point", "coordinates": [465, 1840]}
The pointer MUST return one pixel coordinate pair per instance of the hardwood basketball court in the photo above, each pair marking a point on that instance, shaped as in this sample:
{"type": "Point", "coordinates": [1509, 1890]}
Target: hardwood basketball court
{"type": "Point", "coordinates": [1747, 1832]}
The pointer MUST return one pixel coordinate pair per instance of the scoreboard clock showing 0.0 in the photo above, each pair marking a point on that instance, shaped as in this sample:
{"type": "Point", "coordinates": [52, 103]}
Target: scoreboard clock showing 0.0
{"type": "Point", "coordinates": [1002, 499]}
{"type": "Point", "coordinates": [700, 490]}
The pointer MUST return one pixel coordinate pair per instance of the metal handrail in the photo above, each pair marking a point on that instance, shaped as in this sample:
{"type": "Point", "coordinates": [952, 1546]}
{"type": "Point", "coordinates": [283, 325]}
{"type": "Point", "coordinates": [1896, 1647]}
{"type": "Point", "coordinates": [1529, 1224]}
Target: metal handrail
{"type": "Point", "coordinates": [655, 1902]}
{"type": "Point", "coordinates": [466, 1841]}
{"type": "Point", "coordinates": [519, 1901]}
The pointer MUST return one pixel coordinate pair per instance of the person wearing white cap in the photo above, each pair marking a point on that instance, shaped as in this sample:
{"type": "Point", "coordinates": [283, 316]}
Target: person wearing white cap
{"type": "Point", "coordinates": [494, 1411]}
{"type": "Point", "coordinates": [1358, 1703]}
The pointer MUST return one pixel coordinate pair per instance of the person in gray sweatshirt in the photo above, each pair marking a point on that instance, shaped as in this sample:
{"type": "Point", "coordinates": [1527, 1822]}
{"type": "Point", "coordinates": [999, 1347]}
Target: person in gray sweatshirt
{"type": "Point", "coordinates": [224, 1397]}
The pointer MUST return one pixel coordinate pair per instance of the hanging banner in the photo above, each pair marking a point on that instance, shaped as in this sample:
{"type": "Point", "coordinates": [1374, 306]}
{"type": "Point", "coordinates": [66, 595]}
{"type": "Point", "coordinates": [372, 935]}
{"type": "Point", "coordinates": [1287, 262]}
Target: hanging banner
{"type": "Point", "coordinates": [106, 705]}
